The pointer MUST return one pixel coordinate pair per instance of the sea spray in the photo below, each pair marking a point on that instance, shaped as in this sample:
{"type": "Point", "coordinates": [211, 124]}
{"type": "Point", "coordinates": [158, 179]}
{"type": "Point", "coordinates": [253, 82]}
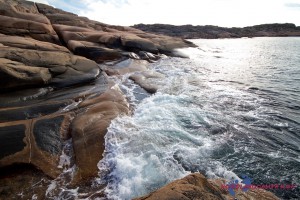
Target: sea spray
{"type": "Point", "coordinates": [207, 118]}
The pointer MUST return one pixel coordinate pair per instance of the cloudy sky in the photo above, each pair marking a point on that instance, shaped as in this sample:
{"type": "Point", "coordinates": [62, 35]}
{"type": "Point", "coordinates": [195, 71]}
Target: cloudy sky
{"type": "Point", "coordinates": [228, 13]}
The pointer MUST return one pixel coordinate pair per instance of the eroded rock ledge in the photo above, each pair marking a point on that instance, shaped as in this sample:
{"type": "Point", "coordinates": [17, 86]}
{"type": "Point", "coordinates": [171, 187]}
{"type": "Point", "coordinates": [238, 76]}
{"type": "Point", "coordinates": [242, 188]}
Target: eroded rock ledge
{"type": "Point", "coordinates": [52, 88]}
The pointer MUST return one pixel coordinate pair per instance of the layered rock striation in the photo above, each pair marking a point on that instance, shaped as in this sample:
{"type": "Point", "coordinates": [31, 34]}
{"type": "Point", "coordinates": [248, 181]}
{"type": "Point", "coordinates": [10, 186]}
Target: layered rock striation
{"type": "Point", "coordinates": [52, 88]}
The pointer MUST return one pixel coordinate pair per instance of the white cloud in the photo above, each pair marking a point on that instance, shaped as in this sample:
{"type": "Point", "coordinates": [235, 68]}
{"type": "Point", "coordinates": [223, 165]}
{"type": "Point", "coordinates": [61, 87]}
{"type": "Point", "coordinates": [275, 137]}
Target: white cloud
{"type": "Point", "coordinates": [197, 12]}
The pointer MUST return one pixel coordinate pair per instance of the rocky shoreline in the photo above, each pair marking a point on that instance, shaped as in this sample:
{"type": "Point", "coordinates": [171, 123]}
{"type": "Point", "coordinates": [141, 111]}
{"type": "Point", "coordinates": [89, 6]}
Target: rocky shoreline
{"type": "Point", "coordinates": [214, 32]}
{"type": "Point", "coordinates": [56, 98]}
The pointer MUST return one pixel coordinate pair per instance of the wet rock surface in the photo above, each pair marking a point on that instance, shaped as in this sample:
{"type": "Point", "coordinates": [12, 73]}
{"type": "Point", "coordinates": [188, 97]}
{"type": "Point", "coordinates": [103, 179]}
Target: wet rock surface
{"type": "Point", "coordinates": [89, 128]}
{"type": "Point", "coordinates": [22, 67]}
{"type": "Point", "coordinates": [196, 186]}
{"type": "Point", "coordinates": [53, 92]}
{"type": "Point", "coordinates": [23, 182]}
{"type": "Point", "coordinates": [148, 80]}
{"type": "Point", "coordinates": [12, 144]}
{"type": "Point", "coordinates": [124, 67]}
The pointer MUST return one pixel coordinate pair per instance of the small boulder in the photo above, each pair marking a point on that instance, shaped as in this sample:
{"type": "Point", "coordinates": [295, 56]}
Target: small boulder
{"type": "Point", "coordinates": [148, 80]}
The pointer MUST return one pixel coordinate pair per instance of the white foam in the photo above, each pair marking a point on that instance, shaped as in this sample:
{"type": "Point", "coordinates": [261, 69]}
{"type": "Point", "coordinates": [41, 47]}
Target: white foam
{"type": "Point", "coordinates": [64, 161]}
{"type": "Point", "coordinates": [50, 188]}
{"type": "Point", "coordinates": [155, 146]}
{"type": "Point", "coordinates": [178, 130]}
{"type": "Point", "coordinates": [34, 197]}
{"type": "Point", "coordinates": [168, 135]}
{"type": "Point", "coordinates": [59, 188]}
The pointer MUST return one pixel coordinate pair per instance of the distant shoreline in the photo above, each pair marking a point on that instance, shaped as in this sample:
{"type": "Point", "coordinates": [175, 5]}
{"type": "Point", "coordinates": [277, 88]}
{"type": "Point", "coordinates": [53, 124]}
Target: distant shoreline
{"type": "Point", "coordinates": [215, 32]}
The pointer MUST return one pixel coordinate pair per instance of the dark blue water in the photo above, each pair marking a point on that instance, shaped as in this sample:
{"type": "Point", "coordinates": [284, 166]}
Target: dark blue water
{"type": "Point", "coordinates": [233, 108]}
{"type": "Point", "coordinates": [269, 138]}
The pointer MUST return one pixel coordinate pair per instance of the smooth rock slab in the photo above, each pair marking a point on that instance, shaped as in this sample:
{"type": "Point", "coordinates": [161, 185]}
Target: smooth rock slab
{"type": "Point", "coordinates": [22, 18]}
{"type": "Point", "coordinates": [16, 75]}
{"type": "Point", "coordinates": [197, 187]}
{"type": "Point", "coordinates": [37, 141]}
{"type": "Point", "coordinates": [90, 127]}
{"type": "Point", "coordinates": [24, 147]}
{"type": "Point", "coordinates": [134, 43]}
{"type": "Point", "coordinates": [22, 10]}
{"type": "Point", "coordinates": [148, 80]}
{"type": "Point", "coordinates": [29, 43]}
{"type": "Point", "coordinates": [94, 51]}
{"type": "Point", "coordinates": [43, 123]}
{"type": "Point", "coordinates": [54, 68]}
{"type": "Point", "coordinates": [32, 111]}
{"type": "Point", "coordinates": [12, 139]}
{"type": "Point", "coordinates": [47, 135]}
{"type": "Point", "coordinates": [125, 66]}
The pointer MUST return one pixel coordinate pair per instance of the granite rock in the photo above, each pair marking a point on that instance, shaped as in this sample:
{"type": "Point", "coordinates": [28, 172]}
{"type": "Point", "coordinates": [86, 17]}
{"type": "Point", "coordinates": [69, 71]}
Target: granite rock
{"type": "Point", "coordinates": [197, 187]}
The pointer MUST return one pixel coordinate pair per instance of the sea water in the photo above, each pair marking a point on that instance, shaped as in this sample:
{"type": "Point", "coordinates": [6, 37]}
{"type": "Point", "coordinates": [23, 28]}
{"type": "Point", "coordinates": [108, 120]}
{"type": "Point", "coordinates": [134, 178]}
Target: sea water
{"type": "Point", "coordinates": [232, 109]}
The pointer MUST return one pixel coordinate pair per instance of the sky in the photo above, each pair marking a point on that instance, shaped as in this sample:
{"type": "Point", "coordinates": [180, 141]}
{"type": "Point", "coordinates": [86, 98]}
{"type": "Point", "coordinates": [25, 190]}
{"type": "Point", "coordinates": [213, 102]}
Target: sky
{"type": "Point", "coordinates": [226, 13]}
